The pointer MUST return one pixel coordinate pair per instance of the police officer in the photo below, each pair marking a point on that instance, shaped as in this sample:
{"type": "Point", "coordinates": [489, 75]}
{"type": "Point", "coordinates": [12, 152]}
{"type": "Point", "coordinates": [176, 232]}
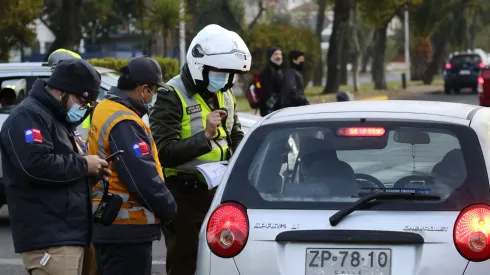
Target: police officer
{"type": "Point", "coordinates": [194, 122]}
{"type": "Point", "coordinates": [46, 176]}
{"type": "Point", "coordinates": [125, 247]}
{"type": "Point", "coordinates": [89, 263]}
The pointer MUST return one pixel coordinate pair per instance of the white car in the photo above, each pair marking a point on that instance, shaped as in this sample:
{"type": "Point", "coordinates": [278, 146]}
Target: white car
{"type": "Point", "coordinates": [379, 187]}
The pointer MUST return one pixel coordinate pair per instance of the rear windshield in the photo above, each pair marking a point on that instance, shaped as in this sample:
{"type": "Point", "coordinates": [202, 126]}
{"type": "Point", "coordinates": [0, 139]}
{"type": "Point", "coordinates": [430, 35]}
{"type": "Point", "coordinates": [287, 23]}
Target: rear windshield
{"type": "Point", "coordinates": [330, 165]}
{"type": "Point", "coordinates": [466, 59]}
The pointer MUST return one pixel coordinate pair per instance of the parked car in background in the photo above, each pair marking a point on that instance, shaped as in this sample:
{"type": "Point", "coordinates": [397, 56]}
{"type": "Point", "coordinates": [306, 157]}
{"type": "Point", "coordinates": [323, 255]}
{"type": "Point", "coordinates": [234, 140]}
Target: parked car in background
{"type": "Point", "coordinates": [21, 76]}
{"type": "Point", "coordinates": [462, 71]}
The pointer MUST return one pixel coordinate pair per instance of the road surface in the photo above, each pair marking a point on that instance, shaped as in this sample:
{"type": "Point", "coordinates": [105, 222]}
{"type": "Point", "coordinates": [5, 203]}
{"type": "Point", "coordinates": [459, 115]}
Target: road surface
{"type": "Point", "coordinates": [10, 263]}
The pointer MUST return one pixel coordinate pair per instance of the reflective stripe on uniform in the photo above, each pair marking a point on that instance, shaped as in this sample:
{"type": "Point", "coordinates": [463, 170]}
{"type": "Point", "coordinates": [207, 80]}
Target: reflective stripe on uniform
{"type": "Point", "coordinates": [108, 114]}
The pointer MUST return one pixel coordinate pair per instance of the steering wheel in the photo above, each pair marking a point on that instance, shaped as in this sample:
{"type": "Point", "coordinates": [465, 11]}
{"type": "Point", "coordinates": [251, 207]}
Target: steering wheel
{"type": "Point", "coordinates": [367, 181]}
{"type": "Point", "coordinates": [413, 179]}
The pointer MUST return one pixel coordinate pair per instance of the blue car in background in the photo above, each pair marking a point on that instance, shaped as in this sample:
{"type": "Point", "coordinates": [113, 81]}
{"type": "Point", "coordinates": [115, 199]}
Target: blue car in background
{"type": "Point", "coordinates": [462, 71]}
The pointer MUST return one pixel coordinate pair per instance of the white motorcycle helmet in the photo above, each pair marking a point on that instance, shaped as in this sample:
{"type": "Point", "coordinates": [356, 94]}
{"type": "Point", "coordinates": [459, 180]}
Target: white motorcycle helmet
{"type": "Point", "coordinates": [217, 47]}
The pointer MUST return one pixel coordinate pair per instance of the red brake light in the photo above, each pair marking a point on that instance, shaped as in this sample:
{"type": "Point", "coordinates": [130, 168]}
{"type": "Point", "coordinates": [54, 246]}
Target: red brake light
{"type": "Point", "coordinates": [448, 66]}
{"type": "Point", "coordinates": [482, 65]}
{"type": "Point", "coordinates": [227, 230]}
{"type": "Point", "coordinates": [481, 80]}
{"type": "Point", "coordinates": [471, 233]}
{"type": "Point", "coordinates": [361, 131]}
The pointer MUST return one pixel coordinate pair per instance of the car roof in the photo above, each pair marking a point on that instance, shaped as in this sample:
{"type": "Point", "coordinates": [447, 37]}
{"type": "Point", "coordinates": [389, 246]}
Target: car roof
{"type": "Point", "coordinates": [402, 109]}
{"type": "Point", "coordinates": [37, 66]}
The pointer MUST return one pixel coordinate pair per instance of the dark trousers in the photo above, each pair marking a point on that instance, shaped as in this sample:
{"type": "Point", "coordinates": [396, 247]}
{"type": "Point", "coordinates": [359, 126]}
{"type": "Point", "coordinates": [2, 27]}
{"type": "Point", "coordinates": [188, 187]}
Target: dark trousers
{"type": "Point", "coordinates": [182, 233]}
{"type": "Point", "coordinates": [124, 259]}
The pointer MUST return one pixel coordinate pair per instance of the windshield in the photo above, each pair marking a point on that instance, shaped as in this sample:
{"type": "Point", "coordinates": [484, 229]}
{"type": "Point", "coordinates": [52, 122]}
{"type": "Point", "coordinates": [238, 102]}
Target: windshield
{"type": "Point", "coordinates": [335, 164]}
{"type": "Point", "coordinates": [466, 59]}
{"type": "Point", "coordinates": [110, 78]}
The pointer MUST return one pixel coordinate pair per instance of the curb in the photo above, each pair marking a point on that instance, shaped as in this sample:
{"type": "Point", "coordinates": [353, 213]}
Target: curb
{"type": "Point", "coordinates": [382, 97]}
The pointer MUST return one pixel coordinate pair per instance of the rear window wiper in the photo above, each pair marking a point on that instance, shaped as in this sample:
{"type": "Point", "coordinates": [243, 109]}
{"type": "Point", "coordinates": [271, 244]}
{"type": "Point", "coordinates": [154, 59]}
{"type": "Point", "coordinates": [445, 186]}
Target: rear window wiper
{"type": "Point", "coordinates": [362, 202]}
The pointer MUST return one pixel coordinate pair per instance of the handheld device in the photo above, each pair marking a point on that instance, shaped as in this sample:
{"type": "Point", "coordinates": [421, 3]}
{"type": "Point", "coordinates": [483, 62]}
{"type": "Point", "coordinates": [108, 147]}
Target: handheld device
{"type": "Point", "coordinates": [110, 204]}
{"type": "Point", "coordinates": [114, 155]}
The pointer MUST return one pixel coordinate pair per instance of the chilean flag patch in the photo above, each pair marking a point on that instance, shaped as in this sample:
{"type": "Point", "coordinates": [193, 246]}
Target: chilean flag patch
{"type": "Point", "coordinates": [33, 135]}
{"type": "Point", "coordinates": [141, 149]}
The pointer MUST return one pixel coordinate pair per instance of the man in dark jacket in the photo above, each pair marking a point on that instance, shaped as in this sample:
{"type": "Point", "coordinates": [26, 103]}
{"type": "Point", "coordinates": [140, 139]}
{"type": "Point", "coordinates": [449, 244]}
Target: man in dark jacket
{"type": "Point", "coordinates": [46, 176]}
{"type": "Point", "coordinates": [271, 82]}
{"type": "Point", "coordinates": [125, 246]}
{"type": "Point", "coordinates": [293, 88]}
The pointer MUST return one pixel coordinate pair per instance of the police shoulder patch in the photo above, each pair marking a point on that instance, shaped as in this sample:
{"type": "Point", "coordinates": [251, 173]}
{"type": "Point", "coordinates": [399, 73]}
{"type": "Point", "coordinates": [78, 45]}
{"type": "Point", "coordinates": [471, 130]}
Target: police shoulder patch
{"type": "Point", "coordinates": [33, 136]}
{"type": "Point", "coordinates": [141, 149]}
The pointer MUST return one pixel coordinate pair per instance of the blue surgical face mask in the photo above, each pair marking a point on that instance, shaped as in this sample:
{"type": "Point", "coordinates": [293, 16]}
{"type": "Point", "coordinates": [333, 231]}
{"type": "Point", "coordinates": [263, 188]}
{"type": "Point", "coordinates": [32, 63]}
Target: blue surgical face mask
{"type": "Point", "coordinates": [75, 114]}
{"type": "Point", "coordinates": [217, 80]}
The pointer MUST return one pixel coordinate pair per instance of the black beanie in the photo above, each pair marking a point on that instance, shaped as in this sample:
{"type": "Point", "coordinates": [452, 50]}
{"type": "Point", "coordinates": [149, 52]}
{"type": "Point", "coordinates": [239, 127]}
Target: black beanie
{"type": "Point", "coordinates": [77, 77]}
{"type": "Point", "coordinates": [271, 51]}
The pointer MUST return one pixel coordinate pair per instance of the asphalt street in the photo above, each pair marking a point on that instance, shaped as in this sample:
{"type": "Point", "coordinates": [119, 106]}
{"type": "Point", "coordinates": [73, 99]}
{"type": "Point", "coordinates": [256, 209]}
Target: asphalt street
{"type": "Point", "coordinates": [10, 263]}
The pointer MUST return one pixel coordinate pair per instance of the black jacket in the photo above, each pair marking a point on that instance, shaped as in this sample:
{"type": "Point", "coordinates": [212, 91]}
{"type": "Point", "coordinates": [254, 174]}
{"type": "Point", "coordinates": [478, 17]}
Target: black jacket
{"type": "Point", "coordinates": [293, 89]}
{"type": "Point", "coordinates": [271, 82]}
{"type": "Point", "coordinates": [139, 175]}
{"type": "Point", "coordinates": [48, 196]}
{"type": "Point", "coordinates": [165, 121]}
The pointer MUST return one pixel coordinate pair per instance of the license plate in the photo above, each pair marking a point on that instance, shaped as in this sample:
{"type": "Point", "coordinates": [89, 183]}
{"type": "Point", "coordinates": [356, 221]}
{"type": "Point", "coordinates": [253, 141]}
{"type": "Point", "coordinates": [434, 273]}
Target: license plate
{"type": "Point", "coordinates": [464, 72]}
{"type": "Point", "coordinates": [332, 261]}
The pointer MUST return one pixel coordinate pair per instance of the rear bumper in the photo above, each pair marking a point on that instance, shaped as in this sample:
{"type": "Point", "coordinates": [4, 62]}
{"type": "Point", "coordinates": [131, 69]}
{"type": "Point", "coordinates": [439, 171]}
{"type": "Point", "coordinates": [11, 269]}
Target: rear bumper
{"type": "Point", "coordinates": [457, 81]}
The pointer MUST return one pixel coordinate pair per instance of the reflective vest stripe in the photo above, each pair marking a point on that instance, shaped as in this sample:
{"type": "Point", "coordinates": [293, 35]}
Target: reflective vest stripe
{"type": "Point", "coordinates": [105, 127]}
{"type": "Point", "coordinates": [197, 120]}
{"type": "Point", "coordinates": [195, 110]}
{"type": "Point", "coordinates": [107, 115]}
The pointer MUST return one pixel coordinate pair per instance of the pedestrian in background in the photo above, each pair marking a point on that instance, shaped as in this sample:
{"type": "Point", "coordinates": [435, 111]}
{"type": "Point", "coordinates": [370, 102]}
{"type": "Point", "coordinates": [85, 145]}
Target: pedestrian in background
{"type": "Point", "coordinates": [271, 82]}
{"type": "Point", "coordinates": [46, 176]}
{"type": "Point", "coordinates": [293, 87]}
{"type": "Point", "coordinates": [125, 246]}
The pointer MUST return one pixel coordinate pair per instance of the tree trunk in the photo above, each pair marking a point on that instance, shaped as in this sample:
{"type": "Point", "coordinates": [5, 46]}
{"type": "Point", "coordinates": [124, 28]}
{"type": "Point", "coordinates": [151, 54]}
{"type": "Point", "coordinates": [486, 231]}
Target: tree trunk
{"type": "Point", "coordinates": [472, 32]}
{"type": "Point", "coordinates": [190, 25]}
{"type": "Point", "coordinates": [420, 57]}
{"type": "Point", "coordinates": [357, 50]}
{"type": "Point", "coordinates": [378, 64]}
{"type": "Point", "coordinates": [442, 44]}
{"type": "Point", "coordinates": [320, 21]}
{"type": "Point", "coordinates": [339, 29]}
{"type": "Point", "coordinates": [366, 58]}
{"type": "Point", "coordinates": [69, 33]}
{"type": "Point", "coordinates": [344, 58]}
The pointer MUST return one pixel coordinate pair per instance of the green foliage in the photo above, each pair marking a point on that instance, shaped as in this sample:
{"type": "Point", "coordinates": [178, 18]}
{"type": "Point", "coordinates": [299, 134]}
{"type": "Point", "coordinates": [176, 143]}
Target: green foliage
{"type": "Point", "coordinates": [380, 12]}
{"type": "Point", "coordinates": [164, 15]}
{"type": "Point", "coordinates": [288, 38]}
{"type": "Point", "coordinates": [15, 15]}
{"type": "Point", "coordinates": [170, 67]}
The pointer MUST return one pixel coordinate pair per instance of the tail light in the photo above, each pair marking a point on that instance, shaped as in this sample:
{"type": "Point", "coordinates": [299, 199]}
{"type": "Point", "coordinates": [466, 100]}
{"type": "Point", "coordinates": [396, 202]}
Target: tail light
{"type": "Point", "coordinates": [482, 65]}
{"type": "Point", "coordinates": [448, 66]}
{"type": "Point", "coordinates": [481, 80]}
{"type": "Point", "coordinates": [227, 230]}
{"type": "Point", "coordinates": [471, 233]}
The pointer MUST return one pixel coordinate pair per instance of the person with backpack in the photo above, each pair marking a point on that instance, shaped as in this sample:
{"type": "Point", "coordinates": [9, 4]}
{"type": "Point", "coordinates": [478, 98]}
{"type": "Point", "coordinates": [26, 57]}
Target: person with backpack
{"type": "Point", "coordinates": [271, 82]}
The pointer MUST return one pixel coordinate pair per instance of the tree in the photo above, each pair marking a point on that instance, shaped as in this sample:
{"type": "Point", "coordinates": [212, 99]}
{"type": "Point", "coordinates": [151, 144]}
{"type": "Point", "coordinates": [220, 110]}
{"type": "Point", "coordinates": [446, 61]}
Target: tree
{"type": "Point", "coordinates": [163, 17]}
{"type": "Point", "coordinates": [320, 24]}
{"type": "Point", "coordinates": [379, 14]}
{"type": "Point", "coordinates": [339, 30]}
{"type": "Point", "coordinates": [229, 14]}
{"type": "Point", "coordinates": [443, 37]}
{"type": "Point", "coordinates": [362, 37]}
{"type": "Point", "coordinates": [15, 16]}
{"type": "Point", "coordinates": [69, 32]}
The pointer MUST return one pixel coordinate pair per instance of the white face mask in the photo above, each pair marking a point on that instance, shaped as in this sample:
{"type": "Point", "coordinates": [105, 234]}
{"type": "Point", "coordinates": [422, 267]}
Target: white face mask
{"type": "Point", "coordinates": [217, 80]}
